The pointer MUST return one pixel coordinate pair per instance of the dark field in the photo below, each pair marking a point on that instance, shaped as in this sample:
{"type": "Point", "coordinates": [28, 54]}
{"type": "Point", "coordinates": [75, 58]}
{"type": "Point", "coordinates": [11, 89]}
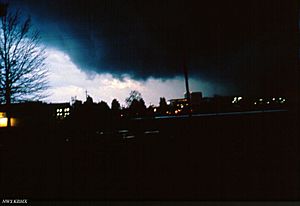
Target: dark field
{"type": "Point", "coordinates": [235, 157]}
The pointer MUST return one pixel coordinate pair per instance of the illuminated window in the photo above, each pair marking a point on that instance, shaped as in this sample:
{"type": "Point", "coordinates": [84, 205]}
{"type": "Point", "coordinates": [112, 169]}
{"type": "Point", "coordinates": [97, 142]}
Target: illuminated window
{"type": "Point", "coordinates": [3, 122]}
{"type": "Point", "coordinates": [2, 114]}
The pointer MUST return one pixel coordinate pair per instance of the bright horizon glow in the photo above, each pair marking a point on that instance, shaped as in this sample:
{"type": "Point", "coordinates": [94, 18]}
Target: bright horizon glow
{"type": "Point", "coordinates": [68, 80]}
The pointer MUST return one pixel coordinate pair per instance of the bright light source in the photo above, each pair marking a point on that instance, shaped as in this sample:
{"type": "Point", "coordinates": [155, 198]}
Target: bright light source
{"type": "Point", "coordinates": [282, 101]}
{"type": "Point", "coordinates": [154, 109]}
{"type": "Point", "coordinates": [260, 100]}
{"type": "Point", "coordinates": [181, 106]}
{"type": "Point", "coordinates": [255, 103]}
{"type": "Point", "coordinates": [280, 98]}
{"type": "Point", "coordinates": [268, 102]}
{"type": "Point", "coordinates": [3, 122]}
{"type": "Point", "coordinates": [273, 99]}
{"type": "Point", "coordinates": [239, 98]}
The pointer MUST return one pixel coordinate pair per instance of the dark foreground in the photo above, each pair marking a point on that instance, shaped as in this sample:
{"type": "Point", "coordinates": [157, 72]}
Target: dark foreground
{"type": "Point", "coordinates": [241, 157]}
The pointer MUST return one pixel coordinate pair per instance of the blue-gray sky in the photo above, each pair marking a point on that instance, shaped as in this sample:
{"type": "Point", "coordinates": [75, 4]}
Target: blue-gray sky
{"type": "Point", "coordinates": [231, 47]}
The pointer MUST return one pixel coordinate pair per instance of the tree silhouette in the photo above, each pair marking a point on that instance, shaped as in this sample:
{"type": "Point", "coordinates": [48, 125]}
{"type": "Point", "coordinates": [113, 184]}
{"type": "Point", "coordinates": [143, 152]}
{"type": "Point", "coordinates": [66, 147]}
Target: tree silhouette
{"type": "Point", "coordinates": [134, 95]}
{"type": "Point", "coordinates": [103, 106]}
{"type": "Point", "coordinates": [136, 104]}
{"type": "Point", "coordinates": [115, 105]}
{"type": "Point", "coordinates": [163, 107]}
{"type": "Point", "coordinates": [23, 73]}
{"type": "Point", "coordinates": [22, 69]}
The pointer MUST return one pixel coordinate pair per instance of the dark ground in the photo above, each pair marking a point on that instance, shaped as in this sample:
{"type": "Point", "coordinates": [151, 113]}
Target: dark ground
{"type": "Point", "coordinates": [244, 157]}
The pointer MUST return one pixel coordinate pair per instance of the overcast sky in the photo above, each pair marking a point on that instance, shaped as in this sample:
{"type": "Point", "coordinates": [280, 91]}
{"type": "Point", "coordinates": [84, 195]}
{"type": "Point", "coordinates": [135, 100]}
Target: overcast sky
{"type": "Point", "coordinates": [111, 47]}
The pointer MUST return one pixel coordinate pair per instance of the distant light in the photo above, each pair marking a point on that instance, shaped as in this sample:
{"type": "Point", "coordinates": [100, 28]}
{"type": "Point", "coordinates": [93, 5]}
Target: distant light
{"type": "Point", "coordinates": [154, 109]}
{"type": "Point", "coordinates": [260, 100]}
{"type": "Point", "coordinates": [181, 106]}
{"type": "Point", "coordinates": [239, 98]}
{"type": "Point", "coordinates": [273, 99]}
{"type": "Point", "coordinates": [268, 102]}
{"type": "Point", "coordinates": [282, 101]}
{"type": "Point", "coordinates": [280, 98]}
{"type": "Point", "coordinates": [255, 103]}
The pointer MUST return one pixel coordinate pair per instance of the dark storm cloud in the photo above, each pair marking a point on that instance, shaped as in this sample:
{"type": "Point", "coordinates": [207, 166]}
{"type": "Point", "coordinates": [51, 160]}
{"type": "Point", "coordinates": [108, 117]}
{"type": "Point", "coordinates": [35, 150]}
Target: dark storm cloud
{"type": "Point", "coordinates": [249, 45]}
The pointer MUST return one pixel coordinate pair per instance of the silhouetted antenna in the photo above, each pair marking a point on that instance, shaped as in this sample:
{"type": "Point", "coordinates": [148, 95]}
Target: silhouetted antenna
{"type": "Point", "coordinates": [86, 94]}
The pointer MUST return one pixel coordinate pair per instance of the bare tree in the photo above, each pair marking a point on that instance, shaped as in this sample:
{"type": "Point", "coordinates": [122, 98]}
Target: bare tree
{"type": "Point", "coordinates": [23, 75]}
{"type": "Point", "coordinates": [134, 95]}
